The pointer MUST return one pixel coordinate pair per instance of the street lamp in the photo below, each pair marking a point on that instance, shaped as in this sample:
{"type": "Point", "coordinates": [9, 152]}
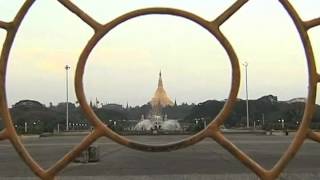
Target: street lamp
{"type": "Point", "coordinates": [67, 67]}
{"type": "Point", "coordinates": [115, 125]}
{"type": "Point", "coordinates": [282, 123]}
{"type": "Point", "coordinates": [245, 64]}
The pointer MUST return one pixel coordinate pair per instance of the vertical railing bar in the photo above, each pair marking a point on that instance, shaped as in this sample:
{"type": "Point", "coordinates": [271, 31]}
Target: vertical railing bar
{"type": "Point", "coordinates": [81, 14]}
{"type": "Point", "coordinates": [229, 12]}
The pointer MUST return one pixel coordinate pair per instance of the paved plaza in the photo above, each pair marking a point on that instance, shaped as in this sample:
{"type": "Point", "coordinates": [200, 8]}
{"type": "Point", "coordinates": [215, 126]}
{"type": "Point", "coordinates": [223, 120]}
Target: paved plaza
{"type": "Point", "coordinates": [201, 161]}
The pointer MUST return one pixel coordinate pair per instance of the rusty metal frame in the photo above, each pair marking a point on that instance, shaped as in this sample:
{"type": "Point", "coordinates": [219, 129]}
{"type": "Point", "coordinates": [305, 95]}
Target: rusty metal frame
{"type": "Point", "coordinates": [212, 131]}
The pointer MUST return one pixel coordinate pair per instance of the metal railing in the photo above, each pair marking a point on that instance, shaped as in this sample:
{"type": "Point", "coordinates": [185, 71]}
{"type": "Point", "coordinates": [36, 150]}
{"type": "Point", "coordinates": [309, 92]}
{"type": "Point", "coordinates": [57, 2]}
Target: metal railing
{"type": "Point", "coordinates": [212, 130]}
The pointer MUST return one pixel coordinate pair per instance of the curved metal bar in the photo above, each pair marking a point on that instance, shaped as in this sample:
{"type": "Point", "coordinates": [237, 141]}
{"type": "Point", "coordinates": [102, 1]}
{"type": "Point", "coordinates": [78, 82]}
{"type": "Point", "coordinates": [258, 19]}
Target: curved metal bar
{"type": "Point", "coordinates": [96, 122]}
{"type": "Point", "coordinates": [4, 25]}
{"type": "Point", "coordinates": [235, 83]}
{"type": "Point", "coordinates": [3, 135]}
{"type": "Point", "coordinates": [315, 136]}
{"type": "Point", "coordinates": [63, 162]}
{"type": "Point", "coordinates": [13, 137]}
{"type": "Point", "coordinates": [25, 155]}
{"type": "Point", "coordinates": [241, 156]}
{"type": "Point", "coordinates": [229, 12]}
{"type": "Point", "coordinates": [155, 148]}
{"type": "Point", "coordinates": [312, 88]}
{"type": "Point", "coordinates": [312, 23]}
{"type": "Point", "coordinates": [82, 15]}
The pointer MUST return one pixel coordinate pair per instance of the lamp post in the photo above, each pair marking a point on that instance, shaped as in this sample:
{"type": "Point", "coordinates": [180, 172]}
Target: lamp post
{"type": "Point", "coordinates": [204, 123]}
{"type": "Point", "coordinates": [245, 64]}
{"type": "Point", "coordinates": [67, 67]}
{"type": "Point", "coordinates": [25, 127]}
{"type": "Point", "coordinates": [196, 121]}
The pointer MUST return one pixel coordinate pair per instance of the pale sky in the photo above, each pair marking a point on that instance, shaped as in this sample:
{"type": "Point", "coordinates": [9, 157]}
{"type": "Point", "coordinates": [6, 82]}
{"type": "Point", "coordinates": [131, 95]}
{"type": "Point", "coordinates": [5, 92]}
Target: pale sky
{"type": "Point", "coordinates": [125, 64]}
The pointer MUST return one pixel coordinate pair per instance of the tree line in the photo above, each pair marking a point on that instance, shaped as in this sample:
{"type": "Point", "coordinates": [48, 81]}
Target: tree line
{"type": "Point", "coordinates": [264, 112]}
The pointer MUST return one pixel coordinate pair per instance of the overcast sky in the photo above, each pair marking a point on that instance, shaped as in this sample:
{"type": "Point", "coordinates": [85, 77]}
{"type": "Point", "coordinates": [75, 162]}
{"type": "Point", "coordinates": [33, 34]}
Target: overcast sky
{"type": "Point", "coordinates": [125, 64]}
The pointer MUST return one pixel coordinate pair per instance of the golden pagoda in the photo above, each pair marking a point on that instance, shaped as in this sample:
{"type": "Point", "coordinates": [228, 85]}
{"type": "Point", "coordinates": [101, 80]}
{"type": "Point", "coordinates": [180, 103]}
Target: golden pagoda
{"type": "Point", "coordinates": [160, 98]}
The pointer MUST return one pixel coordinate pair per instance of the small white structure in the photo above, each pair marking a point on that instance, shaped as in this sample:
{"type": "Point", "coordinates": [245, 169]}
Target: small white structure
{"type": "Point", "coordinates": [171, 125]}
{"type": "Point", "coordinates": [143, 125]}
{"type": "Point", "coordinates": [157, 123]}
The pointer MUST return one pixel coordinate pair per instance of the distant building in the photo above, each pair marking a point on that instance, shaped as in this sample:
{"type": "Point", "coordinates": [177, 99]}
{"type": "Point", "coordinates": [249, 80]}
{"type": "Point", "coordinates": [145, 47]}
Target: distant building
{"type": "Point", "coordinates": [269, 98]}
{"type": "Point", "coordinates": [296, 100]}
{"type": "Point", "coordinates": [29, 104]}
{"type": "Point", "coordinates": [50, 105]}
{"type": "Point", "coordinates": [62, 106]}
{"type": "Point", "coordinates": [112, 106]}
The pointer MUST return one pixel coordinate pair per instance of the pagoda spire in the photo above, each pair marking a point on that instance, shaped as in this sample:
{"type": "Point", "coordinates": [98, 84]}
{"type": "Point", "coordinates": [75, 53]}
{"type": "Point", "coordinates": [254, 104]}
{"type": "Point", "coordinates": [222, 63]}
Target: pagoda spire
{"type": "Point", "coordinates": [160, 84]}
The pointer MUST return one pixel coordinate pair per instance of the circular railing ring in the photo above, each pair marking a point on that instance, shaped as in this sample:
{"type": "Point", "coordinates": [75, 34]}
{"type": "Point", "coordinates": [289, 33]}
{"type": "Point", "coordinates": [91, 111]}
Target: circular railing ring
{"type": "Point", "coordinates": [213, 126]}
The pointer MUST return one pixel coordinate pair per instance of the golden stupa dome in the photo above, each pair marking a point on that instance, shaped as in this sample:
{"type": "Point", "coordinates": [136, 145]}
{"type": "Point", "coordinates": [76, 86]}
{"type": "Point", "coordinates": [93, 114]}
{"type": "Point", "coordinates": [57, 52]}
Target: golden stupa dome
{"type": "Point", "coordinates": [160, 97]}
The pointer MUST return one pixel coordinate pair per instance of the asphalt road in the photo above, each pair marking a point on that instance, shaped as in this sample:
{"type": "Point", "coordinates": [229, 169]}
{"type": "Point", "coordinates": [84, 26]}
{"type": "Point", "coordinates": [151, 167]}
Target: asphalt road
{"type": "Point", "coordinates": [205, 158]}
